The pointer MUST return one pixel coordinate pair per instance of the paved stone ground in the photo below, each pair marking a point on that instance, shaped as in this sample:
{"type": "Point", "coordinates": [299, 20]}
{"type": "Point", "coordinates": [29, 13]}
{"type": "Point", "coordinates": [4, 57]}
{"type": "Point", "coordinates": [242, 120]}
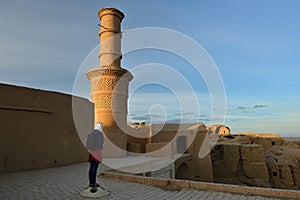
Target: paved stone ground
{"type": "Point", "coordinates": [66, 183]}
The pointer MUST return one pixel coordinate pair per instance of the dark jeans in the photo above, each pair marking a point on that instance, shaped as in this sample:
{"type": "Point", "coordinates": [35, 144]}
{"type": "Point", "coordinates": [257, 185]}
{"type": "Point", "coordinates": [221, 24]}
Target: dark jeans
{"type": "Point", "coordinates": [93, 171]}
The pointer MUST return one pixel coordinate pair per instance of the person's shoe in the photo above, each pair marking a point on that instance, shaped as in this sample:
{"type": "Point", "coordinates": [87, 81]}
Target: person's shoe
{"type": "Point", "coordinates": [93, 190]}
{"type": "Point", "coordinates": [96, 185]}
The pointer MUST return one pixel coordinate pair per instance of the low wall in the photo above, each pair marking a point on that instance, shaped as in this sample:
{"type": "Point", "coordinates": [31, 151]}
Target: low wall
{"type": "Point", "coordinates": [179, 184]}
{"type": "Point", "coordinates": [37, 129]}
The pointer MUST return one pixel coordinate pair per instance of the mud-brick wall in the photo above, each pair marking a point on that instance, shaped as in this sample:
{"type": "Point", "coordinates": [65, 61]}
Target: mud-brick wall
{"type": "Point", "coordinates": [241, 164]}
{"type": "Point", "coordinates": [37, 129]}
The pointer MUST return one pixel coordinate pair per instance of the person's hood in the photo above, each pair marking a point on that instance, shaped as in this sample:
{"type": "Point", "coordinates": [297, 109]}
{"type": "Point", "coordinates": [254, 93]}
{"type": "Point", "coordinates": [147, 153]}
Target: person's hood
{"type": "Point", "coordinates": [99, 127]}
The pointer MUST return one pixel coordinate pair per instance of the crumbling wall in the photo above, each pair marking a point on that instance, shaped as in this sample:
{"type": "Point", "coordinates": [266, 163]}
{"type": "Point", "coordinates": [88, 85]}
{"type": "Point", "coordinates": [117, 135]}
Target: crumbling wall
{"type": "Point", "coordinates": [217, 130]}
{"type": "Point", "coordinates": [257, 160]}
{"type": "Point", "coordinates": [254, 171]}
{"type": "Point", "coordinates": [240, 164]}
{"type": "Point", "coordinates": [284, 167]}
{"type": "Point", "coordinates": [225, 162]}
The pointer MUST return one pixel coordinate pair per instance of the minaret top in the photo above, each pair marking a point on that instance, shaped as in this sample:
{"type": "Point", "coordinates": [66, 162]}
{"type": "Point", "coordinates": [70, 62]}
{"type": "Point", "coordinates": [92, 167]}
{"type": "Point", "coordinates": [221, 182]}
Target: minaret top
{"type": "Point", "coordinates": [110, 11]}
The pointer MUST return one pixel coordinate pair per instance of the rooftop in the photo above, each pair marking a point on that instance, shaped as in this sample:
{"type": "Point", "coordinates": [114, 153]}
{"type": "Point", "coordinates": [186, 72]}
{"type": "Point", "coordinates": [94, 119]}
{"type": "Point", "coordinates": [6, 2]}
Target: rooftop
{"type": "Point", "coordinates": [66, 182]}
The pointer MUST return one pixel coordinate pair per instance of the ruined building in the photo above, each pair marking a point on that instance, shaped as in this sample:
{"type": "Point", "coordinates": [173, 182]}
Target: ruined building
{"type": "Point", "coordinates": [109, 93]}
{"type": "Point", "coordinates": [263, 160]}
{"type": "Point", "coordinates": [38, 131]}
{"type": "Point", "coordinates": [244, 159]}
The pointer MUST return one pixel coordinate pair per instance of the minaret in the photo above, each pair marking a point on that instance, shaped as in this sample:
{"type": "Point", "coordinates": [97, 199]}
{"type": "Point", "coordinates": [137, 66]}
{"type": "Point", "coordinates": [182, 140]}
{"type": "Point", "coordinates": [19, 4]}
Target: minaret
{"type": "Point", "coordinates": [109, 84]}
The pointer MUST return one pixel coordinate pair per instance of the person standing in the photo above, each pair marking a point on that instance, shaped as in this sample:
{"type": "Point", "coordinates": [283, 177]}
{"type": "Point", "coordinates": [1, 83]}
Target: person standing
{"type": "Point", "coordinates": [94, 145]}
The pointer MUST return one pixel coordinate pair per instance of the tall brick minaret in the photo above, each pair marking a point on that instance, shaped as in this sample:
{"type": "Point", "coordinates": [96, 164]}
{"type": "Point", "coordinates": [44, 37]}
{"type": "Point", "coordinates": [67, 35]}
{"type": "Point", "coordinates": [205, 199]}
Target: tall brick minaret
{"type": "Point", "coordinates": [109, 84]}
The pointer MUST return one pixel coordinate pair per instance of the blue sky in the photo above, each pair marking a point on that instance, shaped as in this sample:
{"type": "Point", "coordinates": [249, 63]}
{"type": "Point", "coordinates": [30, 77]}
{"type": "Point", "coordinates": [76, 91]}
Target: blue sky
{"type": "Point", "coordinates": [255, 45]}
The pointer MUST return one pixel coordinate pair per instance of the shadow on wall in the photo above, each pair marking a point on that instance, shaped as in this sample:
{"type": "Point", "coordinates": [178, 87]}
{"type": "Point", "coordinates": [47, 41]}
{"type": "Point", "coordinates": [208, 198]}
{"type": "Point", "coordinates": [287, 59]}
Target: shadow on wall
{"type": "Point", "coordinates": [37, 129]}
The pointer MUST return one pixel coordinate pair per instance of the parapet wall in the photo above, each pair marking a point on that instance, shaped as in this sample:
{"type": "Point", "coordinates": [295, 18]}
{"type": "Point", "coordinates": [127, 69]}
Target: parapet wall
{"type": "Point", "coordinates": [37, 129]}
{"type": "Point", "coordinates": [172, 184]}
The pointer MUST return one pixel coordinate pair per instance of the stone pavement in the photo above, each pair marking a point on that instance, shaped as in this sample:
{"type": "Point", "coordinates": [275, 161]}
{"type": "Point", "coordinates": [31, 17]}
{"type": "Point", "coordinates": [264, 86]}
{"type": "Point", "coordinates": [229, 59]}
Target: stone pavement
{"type": "Point", "coordinates": [66, 182]}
